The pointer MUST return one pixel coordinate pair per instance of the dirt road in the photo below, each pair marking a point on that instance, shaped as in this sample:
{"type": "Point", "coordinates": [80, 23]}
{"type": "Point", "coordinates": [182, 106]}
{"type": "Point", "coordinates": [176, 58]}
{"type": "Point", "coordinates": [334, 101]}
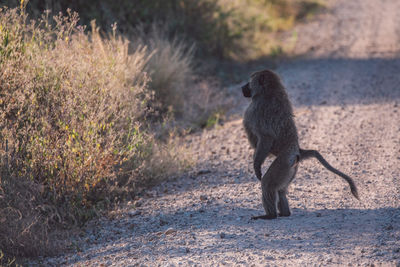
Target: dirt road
{"type": "Point", "coordinates": [346, 96]}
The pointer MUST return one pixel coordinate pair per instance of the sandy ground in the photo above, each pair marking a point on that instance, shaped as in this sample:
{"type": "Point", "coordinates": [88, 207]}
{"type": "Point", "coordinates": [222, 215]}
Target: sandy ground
{"type": "Point", "coordinates": [346, 96]}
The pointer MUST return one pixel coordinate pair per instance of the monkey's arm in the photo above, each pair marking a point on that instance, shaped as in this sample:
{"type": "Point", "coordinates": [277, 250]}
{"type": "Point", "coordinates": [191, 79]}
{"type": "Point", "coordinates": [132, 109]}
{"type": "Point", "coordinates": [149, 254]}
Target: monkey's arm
{"type": "Point", "coordinates": [263, 148]}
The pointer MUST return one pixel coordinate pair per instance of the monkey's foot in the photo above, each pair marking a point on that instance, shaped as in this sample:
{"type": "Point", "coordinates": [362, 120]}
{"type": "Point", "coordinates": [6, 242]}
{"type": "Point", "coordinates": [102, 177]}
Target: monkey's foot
{"type": "Point", "coordinates": [264, 217]}
{"type": "Point", "coordinates": [284, 214]}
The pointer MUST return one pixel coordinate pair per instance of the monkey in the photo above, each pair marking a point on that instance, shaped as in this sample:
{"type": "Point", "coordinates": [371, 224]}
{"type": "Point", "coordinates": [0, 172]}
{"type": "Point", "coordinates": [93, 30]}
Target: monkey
{"type": "Point", "coordinates": [270, 128]}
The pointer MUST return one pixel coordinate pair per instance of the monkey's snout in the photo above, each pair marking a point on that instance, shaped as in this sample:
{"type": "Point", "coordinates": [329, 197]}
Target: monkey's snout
{"type": "Point", "coordinates": [246, 90]}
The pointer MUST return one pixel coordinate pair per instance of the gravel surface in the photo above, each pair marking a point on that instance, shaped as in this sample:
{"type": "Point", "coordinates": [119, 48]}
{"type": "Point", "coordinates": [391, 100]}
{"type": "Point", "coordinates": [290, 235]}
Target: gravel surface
{"type": "Point", "coordinates": [346, 96]}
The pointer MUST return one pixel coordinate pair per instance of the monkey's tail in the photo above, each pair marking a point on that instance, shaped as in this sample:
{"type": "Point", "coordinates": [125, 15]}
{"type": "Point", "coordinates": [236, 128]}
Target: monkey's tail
{"type": "Point", "coordinates": [306, 154]}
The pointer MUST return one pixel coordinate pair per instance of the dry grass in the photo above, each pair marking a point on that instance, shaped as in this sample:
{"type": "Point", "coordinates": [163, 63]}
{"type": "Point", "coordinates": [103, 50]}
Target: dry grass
{"type": "Point", "coordinates": [72, 125]}
{"type": "Point", "coordinates": [181, 97]}
{"type": "Point", "coordinates": [170, 66]}
{"type": "Point", "coordinates": [25, 219]}
{"type": "Point", "coordinates": [76, 99]}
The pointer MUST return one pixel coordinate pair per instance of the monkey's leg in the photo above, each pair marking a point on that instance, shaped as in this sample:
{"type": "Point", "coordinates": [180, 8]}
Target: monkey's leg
{"type": "Point", "coordinates": [276, 179]}
{"type": "Point", "coordinates": [283, 204]}
{"type": "Point", "coordinates": [262, 150]}
{"type": "Point", "coordinates": [269, 200]}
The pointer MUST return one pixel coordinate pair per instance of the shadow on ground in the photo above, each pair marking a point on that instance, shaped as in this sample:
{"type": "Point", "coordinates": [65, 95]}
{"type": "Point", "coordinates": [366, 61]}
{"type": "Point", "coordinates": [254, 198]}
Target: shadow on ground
{"type": "Point", "coordinates": [306, 234]}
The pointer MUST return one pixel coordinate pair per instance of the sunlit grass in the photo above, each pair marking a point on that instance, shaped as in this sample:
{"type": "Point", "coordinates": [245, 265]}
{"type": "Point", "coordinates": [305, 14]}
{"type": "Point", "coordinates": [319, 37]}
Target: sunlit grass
{"type": "Point", "coordinates": [73, 131]}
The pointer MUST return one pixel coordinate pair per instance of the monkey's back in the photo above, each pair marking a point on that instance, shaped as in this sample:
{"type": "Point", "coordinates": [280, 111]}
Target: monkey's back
{"type": "Point", "coordinates": [272, 118]}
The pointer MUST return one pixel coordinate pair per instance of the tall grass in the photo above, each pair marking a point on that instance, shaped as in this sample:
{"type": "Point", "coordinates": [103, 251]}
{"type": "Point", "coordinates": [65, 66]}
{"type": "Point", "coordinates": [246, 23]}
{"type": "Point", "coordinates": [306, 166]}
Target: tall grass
{"type": "Point", "coordinates": [71, 102]}
{"type": "Point", "coordinates": [170, 66]}
{"type": "Point", "coordinates": [180, 96]}
{"type": "Point", "coordinates": [73, 134]}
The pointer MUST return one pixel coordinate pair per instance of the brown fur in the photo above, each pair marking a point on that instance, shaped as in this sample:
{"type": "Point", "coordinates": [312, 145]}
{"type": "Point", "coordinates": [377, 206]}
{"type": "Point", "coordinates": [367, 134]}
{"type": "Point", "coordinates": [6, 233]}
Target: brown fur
{"type": "Point", "coordinates": [270, 128]}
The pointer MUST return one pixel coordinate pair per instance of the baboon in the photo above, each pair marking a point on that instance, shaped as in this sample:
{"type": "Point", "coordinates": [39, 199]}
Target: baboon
{"type": "Point", "coordinates": [270, 128]}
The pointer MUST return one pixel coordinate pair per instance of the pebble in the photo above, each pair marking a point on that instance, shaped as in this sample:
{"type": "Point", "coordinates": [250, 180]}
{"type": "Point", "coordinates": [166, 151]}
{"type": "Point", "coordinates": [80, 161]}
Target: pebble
{"type": "Point", "coordinates": [203, 197]}
{"type": "Point", "coordinates": [389, 227]}
{"type": "Point", "coordinates": [204, 171]}
{"type": "Point", "coordinates": [134, 213]}
{"type": "Point", "coordinates": [169, 231]}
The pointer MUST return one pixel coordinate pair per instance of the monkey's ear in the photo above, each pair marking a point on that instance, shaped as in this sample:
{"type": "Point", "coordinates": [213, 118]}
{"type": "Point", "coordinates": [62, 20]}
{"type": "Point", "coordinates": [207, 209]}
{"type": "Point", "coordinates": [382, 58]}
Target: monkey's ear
{"type": "Point", "coordinates": [261, 80]}
{"type": "Point", "coordinates": [246, 90]}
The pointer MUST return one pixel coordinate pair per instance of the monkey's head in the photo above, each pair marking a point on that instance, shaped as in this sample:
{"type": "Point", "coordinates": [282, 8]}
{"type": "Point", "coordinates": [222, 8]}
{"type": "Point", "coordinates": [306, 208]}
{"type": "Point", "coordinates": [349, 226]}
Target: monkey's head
{"type": "Point", "coordinates": [263, 82]}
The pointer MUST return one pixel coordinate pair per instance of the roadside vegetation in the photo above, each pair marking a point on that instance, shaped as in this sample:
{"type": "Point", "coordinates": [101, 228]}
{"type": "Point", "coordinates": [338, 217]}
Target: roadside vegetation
{"type": "Point", "coordinates": [90, 106]}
